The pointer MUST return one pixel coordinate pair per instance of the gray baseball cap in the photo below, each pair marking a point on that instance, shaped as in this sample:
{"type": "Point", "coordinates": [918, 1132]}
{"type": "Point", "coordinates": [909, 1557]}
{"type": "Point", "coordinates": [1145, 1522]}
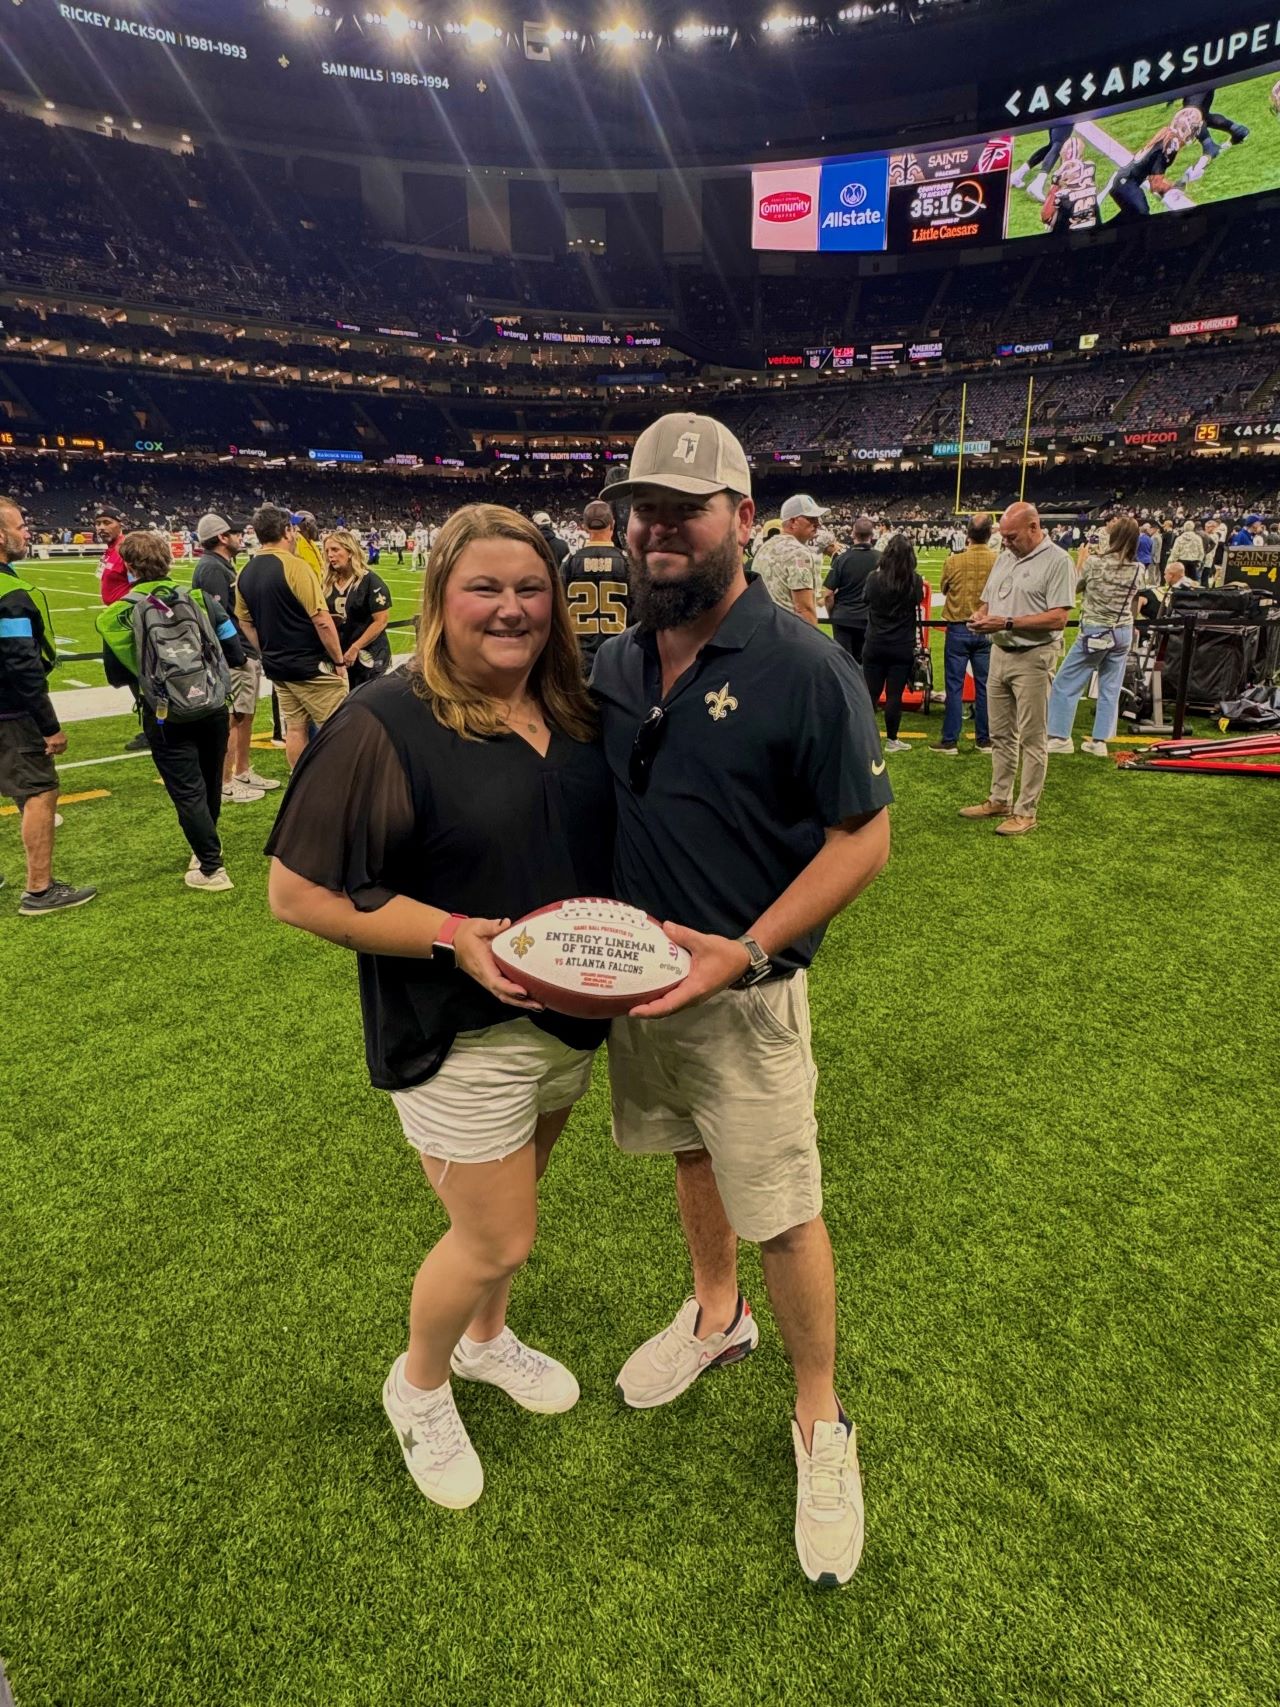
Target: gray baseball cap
{"type": "Point", "coordinates": [210, 526]}
{"type": "Point", "coordinates": [801, 505]}
{"type": "Point", "coordinates": [687, 453]}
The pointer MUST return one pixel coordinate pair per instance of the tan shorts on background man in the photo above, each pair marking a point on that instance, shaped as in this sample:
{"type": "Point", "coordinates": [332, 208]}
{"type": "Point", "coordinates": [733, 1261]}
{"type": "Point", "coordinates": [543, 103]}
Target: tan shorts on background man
{"type": "Point", "coordinates": [734, 1076]}
{"type": "Point", "coordinates": [310, 702]}
{"type": "Point", "coordinates": [245, 683]}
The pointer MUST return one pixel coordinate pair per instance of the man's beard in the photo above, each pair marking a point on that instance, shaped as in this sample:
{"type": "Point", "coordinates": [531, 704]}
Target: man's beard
{"type": "Point", "coordinates": [672, 604]}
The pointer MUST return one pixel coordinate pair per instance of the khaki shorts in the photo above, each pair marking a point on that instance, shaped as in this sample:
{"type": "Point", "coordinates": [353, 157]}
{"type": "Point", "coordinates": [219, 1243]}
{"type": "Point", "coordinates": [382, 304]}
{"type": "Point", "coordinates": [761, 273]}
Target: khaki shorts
{"type": "Point", "coordinates": [26, 770]}
{"type": "Point", "coordinates": [734, 1077]}
{"type": "Point", "coordinates": [484, 1102]}
{"type": "Point", "coordinates": [242, 701]}
{"type": "Point", "coordinates": [310, 702]}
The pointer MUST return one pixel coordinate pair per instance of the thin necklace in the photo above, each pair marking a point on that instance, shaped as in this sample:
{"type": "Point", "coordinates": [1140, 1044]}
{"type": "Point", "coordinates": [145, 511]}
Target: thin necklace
{"type": "Point", "coordinates": [511, 712]}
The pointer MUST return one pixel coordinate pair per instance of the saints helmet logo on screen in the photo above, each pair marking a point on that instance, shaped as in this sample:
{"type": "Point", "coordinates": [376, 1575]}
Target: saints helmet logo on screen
{"type": "Point", "coordinates": [720, 704]}
{"type": "Point", "coordinates": [686, 447]}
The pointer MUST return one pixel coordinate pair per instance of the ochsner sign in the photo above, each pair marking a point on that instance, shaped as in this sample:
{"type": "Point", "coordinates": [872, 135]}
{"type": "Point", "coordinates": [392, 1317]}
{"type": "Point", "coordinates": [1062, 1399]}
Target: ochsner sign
{"type": "Point", "coordinates": [785, 207]}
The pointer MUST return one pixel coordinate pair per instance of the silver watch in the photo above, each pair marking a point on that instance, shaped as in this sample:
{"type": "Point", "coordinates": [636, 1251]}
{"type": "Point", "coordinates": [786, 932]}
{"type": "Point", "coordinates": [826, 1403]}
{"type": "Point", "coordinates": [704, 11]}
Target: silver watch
{"type": "Point", "coordinates": [761, 966]}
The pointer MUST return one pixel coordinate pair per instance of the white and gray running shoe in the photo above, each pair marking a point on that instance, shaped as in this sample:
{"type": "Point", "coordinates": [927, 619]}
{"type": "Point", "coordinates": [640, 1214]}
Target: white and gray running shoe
{"type": "Point", "coordinates": [661, 1369]}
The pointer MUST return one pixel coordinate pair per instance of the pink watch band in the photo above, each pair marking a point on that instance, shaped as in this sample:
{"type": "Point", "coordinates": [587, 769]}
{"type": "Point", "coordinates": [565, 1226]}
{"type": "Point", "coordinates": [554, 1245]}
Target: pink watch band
{"type": "Point", "coordinates": [448, 930]}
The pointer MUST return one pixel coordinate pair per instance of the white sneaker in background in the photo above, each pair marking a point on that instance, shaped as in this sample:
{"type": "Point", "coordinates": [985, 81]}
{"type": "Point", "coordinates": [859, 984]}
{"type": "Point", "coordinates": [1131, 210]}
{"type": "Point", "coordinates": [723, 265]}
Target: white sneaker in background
{"type": "Point", "coordinates": [216, 880]}
{"type": "Point", "coordinates": [1061, 744]}
{"type": "Point", "coordinates": [530, 1377]}
{"type": "Point", "coordinates": [829, 1513]}
{"type": "Point", "coordinates": [897, 746]}
{"type": "Point", "coordinates": [434, 1443]}
{"type": "Point", "coordinates": [1097, 748]}
{"type": "Point", "coordinates": [251, 779]}
{"type": "Point", "coordinates": [238, 793]}
{"type": "Point", "coordinates": [661, 1369]}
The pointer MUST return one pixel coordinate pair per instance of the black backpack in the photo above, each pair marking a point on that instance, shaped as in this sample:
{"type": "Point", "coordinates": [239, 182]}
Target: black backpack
{"type": "Point", "coordinates": [182, 673]}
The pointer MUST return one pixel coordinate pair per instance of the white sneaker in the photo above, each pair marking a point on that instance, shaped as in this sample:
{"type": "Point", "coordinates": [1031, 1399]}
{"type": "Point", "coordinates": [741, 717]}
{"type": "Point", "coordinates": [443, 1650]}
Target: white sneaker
{"type": "Point", "coordinates": [1061, 744]}
{"type": "Point", "coordinates": [1018, 176]}
{"type": "Point", "coordinates": [196, 879]}
{"type": "Point", "coordinates": [433, 1439]}
{"type": "Point", "coordinates": [829, 1515]}
{"type": "Point", "coordinates": [661, 1369]}
{"type": "Point", "coordinates": [193, 864]}
{"type": "Point", "coordinates": [239, 793]}
{"type": "Point", "coordinates": [57, 820]}
{"type": "Point", "coordinates": [1097, 748]}
{"type": "Point", "coordinates": [251, 779]}
{"type": "Point", "coordinates": [530, 1377]}
{"type": "Point", "coordinates": [1038, 187]}
{"type": "Point", "coordinates": [897, 746]}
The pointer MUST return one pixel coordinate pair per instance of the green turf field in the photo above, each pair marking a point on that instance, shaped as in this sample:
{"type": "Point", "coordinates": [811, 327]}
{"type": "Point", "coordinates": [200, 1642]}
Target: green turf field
{"type": "Point", "coordinates": [71, 587]}
{"type": "Point", "coordinates": [1047, 1094]}
{"type": "Point", "coordinates": [1248, 170]}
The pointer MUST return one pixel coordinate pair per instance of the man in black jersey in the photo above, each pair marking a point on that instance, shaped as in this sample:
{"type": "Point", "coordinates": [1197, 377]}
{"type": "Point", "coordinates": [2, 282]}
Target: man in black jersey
{"type": "Point", "coordinates": [597, 583]}
{"type": "Point", "coordinates": [1072, 201]}
{"type": "Point", "coordinates": [1150, 167]}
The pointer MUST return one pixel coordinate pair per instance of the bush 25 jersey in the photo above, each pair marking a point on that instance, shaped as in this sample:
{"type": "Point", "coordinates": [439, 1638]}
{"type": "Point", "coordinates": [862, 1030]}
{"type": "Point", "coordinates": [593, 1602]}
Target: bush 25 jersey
{"type": "Point", "coordinates": [598, 589]}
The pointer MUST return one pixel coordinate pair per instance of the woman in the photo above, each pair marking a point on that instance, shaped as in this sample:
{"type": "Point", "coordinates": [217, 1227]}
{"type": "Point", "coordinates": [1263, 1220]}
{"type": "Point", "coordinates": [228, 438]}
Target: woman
{"type": "Point", "coordinates": [441, 802]}
{"type": "Point", "coordinates": [893, 594]}
{"type": "Point", "coordinates": [360, 604]}
{"type": "Point", "coordinates": [1109, 579]}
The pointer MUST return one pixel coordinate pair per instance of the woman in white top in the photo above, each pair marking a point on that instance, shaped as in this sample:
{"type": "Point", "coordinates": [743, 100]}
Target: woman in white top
{"type": "Point", "coordinates": [1109, 580]}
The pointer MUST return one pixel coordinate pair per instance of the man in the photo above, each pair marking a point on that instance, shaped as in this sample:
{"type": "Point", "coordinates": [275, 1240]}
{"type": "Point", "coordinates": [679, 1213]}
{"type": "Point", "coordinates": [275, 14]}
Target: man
{"type": "Point", "coordinates": [1024, 608]}
{"type": "Point", "coordinates": [1249, 532]}
{"type": "Point", "coordinates": [751, 796]}
{"type": "Point", "coordinates": [30, 735]}
{"type": "Point", "coordinates": [397, 539]}
{"type": "Point", "coordinates": [1202, 101]}
{"type": "Point", "coordinates": [964, 576]}
{"type": "Point", "coordinates": [113, 577]}
{"type": "Point", "coordinates": [282, 612]}
{"type": "Point", "coordinates": [114, 581]}
{"type": "Point", "coordinates": [844, 594]}
{"type": "Point", "coordinates": [559, 547]}
{"type": "Point", "coordinates": [596, 583]}
{"type": "Point", "coordinates": [215, 574]}
{"type": "Point", "coordinates": [787, 563]}
{"type": "Point", "coordinates": [306, 540]}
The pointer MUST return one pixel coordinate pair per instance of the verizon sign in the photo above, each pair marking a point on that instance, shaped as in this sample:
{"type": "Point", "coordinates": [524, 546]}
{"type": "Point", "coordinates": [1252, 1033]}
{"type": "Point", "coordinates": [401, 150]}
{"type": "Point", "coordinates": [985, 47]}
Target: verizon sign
{"type": "Point", "coordinates": [1223, 323]}
{"type": "Point", "coordinates": [784, 202]}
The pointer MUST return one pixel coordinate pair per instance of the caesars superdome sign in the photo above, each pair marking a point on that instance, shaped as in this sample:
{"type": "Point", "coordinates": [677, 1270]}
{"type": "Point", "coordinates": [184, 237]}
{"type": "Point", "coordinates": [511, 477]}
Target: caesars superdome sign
{"type": "Point", "coordinates": [1163, 64]}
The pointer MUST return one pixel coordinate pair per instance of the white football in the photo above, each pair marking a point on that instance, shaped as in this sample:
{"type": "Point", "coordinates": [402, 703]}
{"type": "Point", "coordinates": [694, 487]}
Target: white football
{"type": "Point", "coordinates": [591, 958]}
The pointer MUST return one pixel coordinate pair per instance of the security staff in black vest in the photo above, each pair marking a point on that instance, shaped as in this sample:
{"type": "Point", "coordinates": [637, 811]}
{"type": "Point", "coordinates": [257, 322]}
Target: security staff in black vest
{"type": "Point", "coordinates": [751, 794]}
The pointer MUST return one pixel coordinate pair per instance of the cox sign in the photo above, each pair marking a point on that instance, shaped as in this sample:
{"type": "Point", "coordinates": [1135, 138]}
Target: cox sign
{"type": "Point", "coordinates": [148, 444]}
{"type": "Point", "coordinates": [851, 205]}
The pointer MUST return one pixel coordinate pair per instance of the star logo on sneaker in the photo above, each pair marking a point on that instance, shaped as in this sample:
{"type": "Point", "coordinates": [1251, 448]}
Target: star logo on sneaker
{"type": "Point", "coordinates": [409, 1441]}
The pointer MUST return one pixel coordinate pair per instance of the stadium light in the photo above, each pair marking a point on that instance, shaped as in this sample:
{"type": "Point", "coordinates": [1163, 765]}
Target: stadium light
{"type": "Point", "coordinates": [699, 32]}
{"type": "Point", "coordinates": [781, 24]}
{"type": "Point", "coordinates": [49, 107]}
{"type": "Point", "coordinates": [477, 30]}
{"type": "Point", "coordinates": [625, 35]}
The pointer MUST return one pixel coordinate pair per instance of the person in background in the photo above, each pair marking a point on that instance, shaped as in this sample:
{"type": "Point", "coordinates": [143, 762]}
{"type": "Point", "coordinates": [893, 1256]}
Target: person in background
{"type": "Point", "coordinates": [1145, 549]}
{"type": "Point", "coordinates": [1110, 581]}
{"type": "Point", "coordinates": [397, 539]}
{"type": "Point", "coordinates": [306, 541]}
{"type": "Point", "coordinates": [1188, 549]}
{"type": "Point", "coordinates": [1025, 606]}
{"type": "Point", "coordinates": [30, 734]}
{"type": "Point", "coordinates": [558, 547]}
{"type": "Point", "coordinates": [893, 591]}
{"type": "Point", "coordinates": [844, 592]}
{"type": "Point", "coordinates": [964, 575]}
{"type": "Point", "coordinates": [597, 583]}
{"type": "Point", "coordinates": [787, 562]}
{"type": "Point", "coordinates": [439, 802]}
{"type": "Point", "coordinates": [282, 612]}
{"type": "Point", "coordinates": [114, 582]}
{"type": "Point", "coordinates": [360, 605]}
{"type": "Point", "coordinates": [215, 574]}
{"type": "Point", "coordinates": [190, 753]}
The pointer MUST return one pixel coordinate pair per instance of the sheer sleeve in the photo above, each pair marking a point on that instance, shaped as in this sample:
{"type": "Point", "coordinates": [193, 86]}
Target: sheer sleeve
{"type": "Point", "coordinates": [347, 811]}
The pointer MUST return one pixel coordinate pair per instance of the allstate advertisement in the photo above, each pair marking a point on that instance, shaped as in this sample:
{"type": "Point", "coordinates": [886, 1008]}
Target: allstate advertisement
{"type": "Point", "coordinates": [852, 202]}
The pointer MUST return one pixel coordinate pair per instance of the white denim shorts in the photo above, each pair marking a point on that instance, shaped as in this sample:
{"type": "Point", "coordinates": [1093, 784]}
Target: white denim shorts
{"type": "Point", "coordinates": [484, 1102]}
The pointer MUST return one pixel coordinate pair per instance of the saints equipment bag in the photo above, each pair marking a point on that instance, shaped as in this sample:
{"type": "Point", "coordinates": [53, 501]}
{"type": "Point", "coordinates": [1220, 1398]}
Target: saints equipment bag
{"type": "Point", "coordinates": [181, 671]}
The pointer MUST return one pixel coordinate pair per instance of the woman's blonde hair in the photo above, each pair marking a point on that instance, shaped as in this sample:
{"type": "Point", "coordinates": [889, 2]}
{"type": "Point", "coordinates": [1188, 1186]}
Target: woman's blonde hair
{"type": "Point", "coordinates": [354, 550]}
{"type": "Point", "coordinates": [147, 555]}
{"type": "Point", "coordinates": [556, 680]}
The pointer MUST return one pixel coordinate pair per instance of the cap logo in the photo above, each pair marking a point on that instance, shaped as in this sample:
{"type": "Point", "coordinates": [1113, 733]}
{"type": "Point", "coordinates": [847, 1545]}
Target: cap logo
{"type": "Point", "coordinates": [687, 447]}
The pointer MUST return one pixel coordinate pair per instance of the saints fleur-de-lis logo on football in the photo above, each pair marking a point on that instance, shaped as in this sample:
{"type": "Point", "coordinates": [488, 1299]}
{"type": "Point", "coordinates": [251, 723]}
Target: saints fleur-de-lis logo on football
{"type": "Point", "coordinates": [520, 945]}
{"type": "Point", "coordinates": [720, 703]}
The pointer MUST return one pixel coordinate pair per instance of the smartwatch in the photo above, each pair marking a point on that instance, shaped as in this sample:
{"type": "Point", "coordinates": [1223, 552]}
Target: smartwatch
{"type": "Point", "coordinates": [760, 966]}
{"type": "Point", "coordinates": [448, 930]}
{"type": "Point", "coordinates": [1008, 624]}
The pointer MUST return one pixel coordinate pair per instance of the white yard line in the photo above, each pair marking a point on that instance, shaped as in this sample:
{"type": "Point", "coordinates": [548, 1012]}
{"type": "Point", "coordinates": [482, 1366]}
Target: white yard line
{"type": "Point", "coordinates": [1120, 156]}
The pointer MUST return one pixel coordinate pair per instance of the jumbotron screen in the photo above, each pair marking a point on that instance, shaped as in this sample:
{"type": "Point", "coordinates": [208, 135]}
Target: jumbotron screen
{"type": "Point", "coordinates": [1205, 144]}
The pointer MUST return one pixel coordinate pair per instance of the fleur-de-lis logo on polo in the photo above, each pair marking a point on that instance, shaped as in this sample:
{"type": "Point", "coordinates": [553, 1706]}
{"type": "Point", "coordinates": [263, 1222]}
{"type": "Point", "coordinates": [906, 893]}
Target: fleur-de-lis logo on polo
{"type": "Point", "coordinates": [520, 945]}
{"type": "Point", "coordinates": [721, 703]}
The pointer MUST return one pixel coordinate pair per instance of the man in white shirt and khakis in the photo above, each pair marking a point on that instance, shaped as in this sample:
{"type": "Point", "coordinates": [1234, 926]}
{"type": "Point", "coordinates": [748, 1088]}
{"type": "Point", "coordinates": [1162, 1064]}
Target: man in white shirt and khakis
{"type": "Point", "coordinates": [1025, 605]}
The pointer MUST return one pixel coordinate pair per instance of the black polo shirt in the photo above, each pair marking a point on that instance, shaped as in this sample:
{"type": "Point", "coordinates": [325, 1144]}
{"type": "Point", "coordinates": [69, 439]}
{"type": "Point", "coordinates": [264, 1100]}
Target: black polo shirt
{"type": "Point", "coordinates": [769, 739]}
